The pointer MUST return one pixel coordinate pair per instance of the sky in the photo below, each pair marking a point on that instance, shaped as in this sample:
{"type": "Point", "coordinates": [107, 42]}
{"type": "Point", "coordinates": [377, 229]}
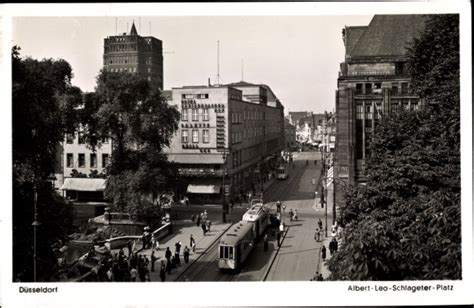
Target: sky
{"type": "Point", "coordinates": [297, 56]}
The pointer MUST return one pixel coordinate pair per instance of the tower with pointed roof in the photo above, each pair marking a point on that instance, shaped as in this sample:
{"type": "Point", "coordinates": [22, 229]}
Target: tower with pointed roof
{"type": "Point", "coordinates": [130, 52]}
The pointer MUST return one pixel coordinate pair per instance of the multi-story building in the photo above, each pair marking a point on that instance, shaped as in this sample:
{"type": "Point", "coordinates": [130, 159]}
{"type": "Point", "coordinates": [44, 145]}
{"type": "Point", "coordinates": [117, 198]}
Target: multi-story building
{"type": "Point", "coordinates": [373, 81]}
{"type": "Point", "coordinates": [228, 139]}
{"type": "Point", "coordinates": [290, 135]}
{"type": "Point", "coordinates": [135, 54]}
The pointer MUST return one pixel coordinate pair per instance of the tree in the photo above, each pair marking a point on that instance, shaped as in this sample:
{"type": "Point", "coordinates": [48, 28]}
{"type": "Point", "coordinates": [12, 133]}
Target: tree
{"type": "Point", "coordinates": [43, 104]}
{"type": "Point", "coordinates": [405, 223]}
{"type": "Point", "coordinates": [137, 118]}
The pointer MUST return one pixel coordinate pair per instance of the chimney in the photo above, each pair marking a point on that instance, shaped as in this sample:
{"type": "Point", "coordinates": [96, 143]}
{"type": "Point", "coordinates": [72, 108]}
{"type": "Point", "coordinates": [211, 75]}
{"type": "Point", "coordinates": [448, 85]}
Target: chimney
{"type": "Point", "coordinates": [208, 82]}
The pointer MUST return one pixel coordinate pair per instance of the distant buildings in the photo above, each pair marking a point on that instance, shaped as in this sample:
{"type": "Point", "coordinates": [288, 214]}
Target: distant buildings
{"type": "Point", "coordinates": [373, 81]}
{"type": "Point", "coordinates": [231, 134]}
{"type": "Point", "coordinates": [135, 54]}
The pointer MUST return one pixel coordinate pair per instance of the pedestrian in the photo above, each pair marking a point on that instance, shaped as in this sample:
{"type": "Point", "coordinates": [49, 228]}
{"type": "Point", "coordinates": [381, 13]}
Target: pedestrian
{"type": "Point", "coordinates": [336, 244]}
{"type": "Point", "coordinates": [110, 275]}
{"type": "Point", "coordinates": [208, 225]}
{"type": "Point", "coordinates": [323, 252]}
{"type": "Point", "coordinates": [186, 200]}
{"type": "Point", "coordinates": [129, 247]}
{"type": "Point", "coordinates": [291, 214]}
{"type": "Point", "coordinates": [193, 217]}
{"type": "Point", "coordinates": [168, 254]}
{"type": "Point", "coordinates": [316, 276]}
{"type": "Point", "coordinates": [320, 277]}
{"type": "Point", "coordinates": [178, 247]}
{"type": "Point", "coordinates": [265, 242]}
{"type": "Point", "coordinates": [320, 224]}
{"type": "Point", "coordinates": [186, 254]}
{"type": "Point", "coordinates": [163, 271]}
{"type": "Point", "coordinates": [192, 243]}
{"type": "Point", "coordinates": [153, 260]}
{"type": "Point", "coordinates": [295, 215]}
{"type": "Point", "coordinates": [168, 266]}
{"type": "Point", "coordinates": [157, 244]}
{"type": "Point", "coordinates": [144, 240]}
{"type": "Point", "coordinates": [231, 205]}
{"type": "Point", "coordinates": [176, 257]}
{"type": "Point", "coordinates": [204, 216]}
{"type": "Point", "coordinates": [133, 274]}
{"type": "Point", "coordinates": [278, 238]}
{"type": "Point", "coordinates": [198, 220]}
{"type": "Point", "coordinates": [316, 235]}
{"type": "Point", "coordinates": [203, 226]}
{"type": "Point", "coordinates": [282, 228]}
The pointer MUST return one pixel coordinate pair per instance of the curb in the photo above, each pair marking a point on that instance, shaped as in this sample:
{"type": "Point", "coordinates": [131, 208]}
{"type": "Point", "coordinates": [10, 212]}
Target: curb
{"type": "Point", "coordinates": [203, 253]}
{"type": "Point", "coordinates": [269, 266]}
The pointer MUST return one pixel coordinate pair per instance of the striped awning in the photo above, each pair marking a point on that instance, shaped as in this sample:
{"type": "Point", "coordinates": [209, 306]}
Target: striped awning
{"type": "Point", "coordinates": [83, 184]}
{"type": "Point", "coordinates": [203, 189]}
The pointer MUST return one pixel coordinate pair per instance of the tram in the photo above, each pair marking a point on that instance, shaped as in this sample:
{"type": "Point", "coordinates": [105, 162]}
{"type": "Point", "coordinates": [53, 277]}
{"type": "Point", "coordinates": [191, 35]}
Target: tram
{"type": "Point", "coordinates": [282, 172]}
{"type": "Point", "coordinates": [257, 215]}
{"type": "Point", "coordinates": [235, 246]}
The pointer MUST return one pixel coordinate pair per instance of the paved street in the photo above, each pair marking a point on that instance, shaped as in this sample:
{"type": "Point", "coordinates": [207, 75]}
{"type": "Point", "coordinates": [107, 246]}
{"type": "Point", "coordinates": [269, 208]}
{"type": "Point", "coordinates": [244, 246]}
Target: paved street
{"type": "Point", "coordinates": [299, 256]}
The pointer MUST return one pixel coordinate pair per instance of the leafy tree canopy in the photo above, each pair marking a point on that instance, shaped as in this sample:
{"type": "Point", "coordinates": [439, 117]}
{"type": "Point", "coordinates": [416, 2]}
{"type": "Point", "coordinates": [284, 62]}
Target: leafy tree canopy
{"type": "Point", "coordinates": [405, 223]}
{"type": "Point", "coordinates": [137, 118]}
{"type": "Point", "coordinates": [43, 110]}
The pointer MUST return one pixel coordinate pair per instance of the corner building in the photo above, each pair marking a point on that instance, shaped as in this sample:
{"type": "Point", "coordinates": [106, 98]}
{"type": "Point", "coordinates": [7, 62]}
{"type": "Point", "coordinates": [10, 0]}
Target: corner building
{"type": "Point", "coordinates": [229, 139]}
{"type": "Point", "coordinates": [373, 82]}
{"type": "Point", "coordinates": [135, 54]}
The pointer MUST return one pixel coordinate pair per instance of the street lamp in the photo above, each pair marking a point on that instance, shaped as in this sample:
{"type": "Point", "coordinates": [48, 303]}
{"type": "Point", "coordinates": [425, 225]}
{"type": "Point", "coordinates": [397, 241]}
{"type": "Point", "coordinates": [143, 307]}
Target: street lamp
{"type": "Point", "coordinates": [35, 224]}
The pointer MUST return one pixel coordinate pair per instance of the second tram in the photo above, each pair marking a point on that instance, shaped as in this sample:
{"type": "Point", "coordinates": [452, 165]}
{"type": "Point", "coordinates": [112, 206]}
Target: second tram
{"type": "Point", "coordinates": [282, 172]}
{"type": "Point", "coordinates": [257, 215]}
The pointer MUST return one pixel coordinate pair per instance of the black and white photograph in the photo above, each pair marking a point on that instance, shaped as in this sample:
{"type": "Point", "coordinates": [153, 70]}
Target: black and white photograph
{"type": "Point", "coordinates": [165, 152]}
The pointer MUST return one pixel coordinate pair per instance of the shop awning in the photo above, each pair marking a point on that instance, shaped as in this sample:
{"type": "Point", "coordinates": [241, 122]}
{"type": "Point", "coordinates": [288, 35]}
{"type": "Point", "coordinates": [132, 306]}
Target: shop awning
{"type": "Point", "coordinates": [203, 189]}
{"type": "Point", "coordinates": [197, 158]}
{"type": "Point", "coordinates": [83, 184]}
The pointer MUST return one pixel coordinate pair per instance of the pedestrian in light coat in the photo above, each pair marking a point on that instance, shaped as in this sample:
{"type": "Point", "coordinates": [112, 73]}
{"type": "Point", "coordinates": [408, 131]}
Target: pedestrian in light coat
{"type": "Point", "coordinates": [192, 243]}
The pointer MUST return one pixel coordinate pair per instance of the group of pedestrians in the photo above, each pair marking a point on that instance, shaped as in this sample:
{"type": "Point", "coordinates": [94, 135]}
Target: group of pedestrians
{"type": "Point", "coordinates": [203, 221]}
{"type": "Point", "coordinates": [119, 267]}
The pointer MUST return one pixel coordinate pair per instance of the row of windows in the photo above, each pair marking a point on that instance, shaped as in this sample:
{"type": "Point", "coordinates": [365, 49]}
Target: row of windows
{"type": "Point", "coordinates": [122, 47]}
{"type": "Point", "coordinates": [236, 117]}
{"type": "Point", "coordinates": [195, 114]}
{"type": "Point", "coordinates": [71, 139]}
{"type": "Point", "coordinates": [129, 60]}
{"type": "Point", "coordinates": [123, 69]}
{"type": "Point", "coordinates": [376, 88]}
{"type": "Point", "coordinates": [192, 96]}
{"type": "Point", "coordinates": [81, 160]}
{"type": "Point", "coordinates": [194, 136]}
{"type": "Point", "coordinates": [236, 137]}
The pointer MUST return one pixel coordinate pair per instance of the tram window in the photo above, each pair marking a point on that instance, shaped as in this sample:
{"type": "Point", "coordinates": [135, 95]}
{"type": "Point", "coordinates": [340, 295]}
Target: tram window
{"type": "Point", "coordinates": [226, 252]}
{"type": "Point", "coordinates": [231, 252]}
{"type": "Point", "coordinates": [221, 254]}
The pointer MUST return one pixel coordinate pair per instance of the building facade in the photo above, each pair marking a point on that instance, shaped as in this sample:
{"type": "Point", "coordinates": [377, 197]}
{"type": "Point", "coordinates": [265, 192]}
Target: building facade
{"type": "Point", "coordinates": [228, 140]}
{"type": "Point", "coordinates": [290, 136]}
{"type": "Point", "coordinates": [135, 54]}
{"type": "Point", "coordinates": [373, 82]}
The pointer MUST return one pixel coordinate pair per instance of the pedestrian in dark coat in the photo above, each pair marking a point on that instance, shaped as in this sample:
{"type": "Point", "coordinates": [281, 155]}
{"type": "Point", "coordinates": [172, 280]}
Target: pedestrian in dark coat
{"type": "Point", "coordinates": [186, 254]}
{"type": "Point", "coordinates": [168, 254]}
{"type": "Point", "coordinates": [320, 224]}
{"type": "Point", "coordinates": [163, 271]}
{"type": "Point", "coordinates": [178, 247]}
{"type": "Point", "coordinates": [168, 266]}
{"type": "Point", "coordinates": [129, 247]}
{"type": "Point", "coordinates": [176, 257]}
{"type": "Point", "coordinates": [153, 260]}
{"type": "Point", "coordinates": [265, 242]}
{"type": "Point", "coordinates": [323, 252]}
{"type": "Point", "coordinates": [203, 226]}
